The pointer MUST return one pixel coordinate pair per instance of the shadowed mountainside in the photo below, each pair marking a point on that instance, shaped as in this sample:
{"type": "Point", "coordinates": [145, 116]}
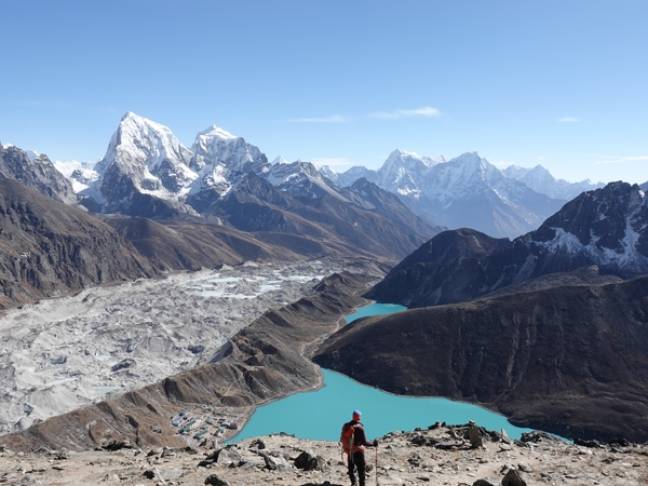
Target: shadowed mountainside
{"type": "Point", "coordinates": [570, 360]}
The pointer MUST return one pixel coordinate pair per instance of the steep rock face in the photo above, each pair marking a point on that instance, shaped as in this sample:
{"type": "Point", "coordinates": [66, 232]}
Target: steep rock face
{"type": "Point", "coordinates": [570, 360]}
{"type": "Point", "coordinates": [607, 227]}
{"type": "Point", "coordinates": [49, 247]}
{"type": "Point", "coordinates": [145, 170]}
{"type": "Point", "coordinates": [35, 171]}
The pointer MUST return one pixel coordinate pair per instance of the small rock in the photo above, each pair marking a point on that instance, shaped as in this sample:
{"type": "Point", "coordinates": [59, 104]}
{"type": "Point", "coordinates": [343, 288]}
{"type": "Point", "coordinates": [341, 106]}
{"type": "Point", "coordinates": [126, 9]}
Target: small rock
{"type": "Point", "coordinates": [58, 360]}
{"type": "Point", "coordinates": [214, 480]}
{"type": "Point", "coordinates": [196, 348]}
{"type": "Point", "coordinates": [259, 444]}
{"type": "Point", "coordinates": [148, 474]}
{"type": "Point", "coordinates": [482, 482]}
{"type": "Point", "coordinates": [123, 364]}
{"type": "Point", "coordinates": [115, 445]}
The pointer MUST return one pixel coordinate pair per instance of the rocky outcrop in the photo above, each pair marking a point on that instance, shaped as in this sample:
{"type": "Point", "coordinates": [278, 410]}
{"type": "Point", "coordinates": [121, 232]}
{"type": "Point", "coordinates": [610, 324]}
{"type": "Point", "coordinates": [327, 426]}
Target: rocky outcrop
{"type": "Point", "coordinates": [569, 360]}
{"type": "Point", "coordinates": [35, 171]}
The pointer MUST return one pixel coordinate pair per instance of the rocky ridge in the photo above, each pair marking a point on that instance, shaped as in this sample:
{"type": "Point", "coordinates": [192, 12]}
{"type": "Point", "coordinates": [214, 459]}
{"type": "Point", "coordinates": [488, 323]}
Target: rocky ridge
{"type": "Point", "coordinates": [607, 227]}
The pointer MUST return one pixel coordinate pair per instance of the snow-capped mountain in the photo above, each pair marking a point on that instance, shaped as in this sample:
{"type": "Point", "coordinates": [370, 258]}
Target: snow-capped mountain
{"type": "Point", "coordinates": [466, 191]}
{"type": "Point", "coordinates": [608, 227]}
{"type": "Point", "coordinates": [540, 180]}
{"type": "Point", "coordinates": [220, 157]}
{"type": "Point", "coordinates": [404, 172]}
{"type": "Point", "coordinates": [145, 171]}
{"type": "Point", "coordinates": [302, 179]}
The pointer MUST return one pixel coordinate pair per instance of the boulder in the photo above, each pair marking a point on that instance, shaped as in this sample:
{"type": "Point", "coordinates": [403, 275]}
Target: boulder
{"type": "Point", "coordinates": [214, 480]}
{"type": "Point", "coordinates": [482, 482]}
{"type": "Point", "coordinates": [309, 462]}
{"type": "Point", "coordinates": [513, 478]}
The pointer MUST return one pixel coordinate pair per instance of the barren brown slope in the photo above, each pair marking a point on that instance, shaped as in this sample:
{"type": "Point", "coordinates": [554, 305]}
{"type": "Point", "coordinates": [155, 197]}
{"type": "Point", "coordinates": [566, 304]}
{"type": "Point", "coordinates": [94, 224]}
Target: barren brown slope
{"type": "Point", "coordinates": [266, 360]}
{"type": "Point", "coordinates": [571, 360]}
{"type": "Point", "coordinates": [47, 247]}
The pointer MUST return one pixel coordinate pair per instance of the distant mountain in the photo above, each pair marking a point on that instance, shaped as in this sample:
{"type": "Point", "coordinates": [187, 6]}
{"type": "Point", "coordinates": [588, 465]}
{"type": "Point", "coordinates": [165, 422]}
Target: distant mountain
{"type": "Point", "coordinates": [145, 171]}
{"type": "Point", "coordinates": [606, 227]}
{"type": "Point", "coordinates": [35, 171]}
{"type": "Point", "coordinates": [362, 219]}
{"type": "Point", "coordinates": [219, 158]}
{"type": "Point", "coordinates": [540, 180]}
{"type": "Point", "coordinates": [466, 191]}
{"type": "Point", "coordinates": [80, 174]}
{"type": "Point", "coordinates": [570, 359]}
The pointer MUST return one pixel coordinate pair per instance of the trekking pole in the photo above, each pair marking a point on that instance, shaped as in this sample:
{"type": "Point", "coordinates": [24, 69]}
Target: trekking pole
{"type": "Point", "coordinates": [376, 465]}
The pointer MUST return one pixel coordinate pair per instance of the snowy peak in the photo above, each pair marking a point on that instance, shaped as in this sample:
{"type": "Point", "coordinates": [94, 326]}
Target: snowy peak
{"type": "Point", "coordinates": [220, 157]}
{"type": "Point", "coordinates": [608, 225]}
{"type": "Point", "coordinates": [215, 146]}
{"type": "Point", "coordinates": [540, 180]}
{"type": "Point", "coordinates": [140, 141]}
{"type": "Point", "coordinates": [301, 179]}
{"type": "Point", "coordinates": [403, 172]}
{"type": "Point", "coordinates": [150, 154]}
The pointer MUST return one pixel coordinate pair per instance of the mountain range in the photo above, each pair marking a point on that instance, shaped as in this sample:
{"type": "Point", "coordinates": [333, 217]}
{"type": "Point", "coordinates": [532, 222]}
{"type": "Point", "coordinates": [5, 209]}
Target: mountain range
{"type": "Point", "coordinates": [468, 191]}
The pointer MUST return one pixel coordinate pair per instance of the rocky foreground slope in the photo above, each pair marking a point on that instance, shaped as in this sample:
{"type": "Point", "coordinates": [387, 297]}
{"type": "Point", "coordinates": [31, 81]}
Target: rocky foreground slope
{"type": "Point", "coordinates": [568, 359]}
{"type": "Point", "coordinates": [438, 456]}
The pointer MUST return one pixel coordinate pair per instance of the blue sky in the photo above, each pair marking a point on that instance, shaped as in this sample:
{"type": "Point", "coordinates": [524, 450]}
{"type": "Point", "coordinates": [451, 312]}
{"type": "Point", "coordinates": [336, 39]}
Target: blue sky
{"type": "Point", "coordinates": [558, 82]}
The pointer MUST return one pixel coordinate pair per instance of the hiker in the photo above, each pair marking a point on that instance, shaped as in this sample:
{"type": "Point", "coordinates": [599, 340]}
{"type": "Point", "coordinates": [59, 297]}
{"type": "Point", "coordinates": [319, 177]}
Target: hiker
{"type": "Point", "coordinates": [354, 441]}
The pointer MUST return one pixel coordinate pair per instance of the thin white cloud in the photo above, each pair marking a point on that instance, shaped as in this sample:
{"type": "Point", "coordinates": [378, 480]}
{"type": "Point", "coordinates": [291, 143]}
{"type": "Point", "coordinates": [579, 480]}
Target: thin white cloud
{"type": "Point", "coordinates": [569, 119]}
{"type": "Point", "coordinates": [420, 112]}
{"type": "Point", "coordinates": [622, 159]}
{"type": "Point", "coordinates": [322, 119]}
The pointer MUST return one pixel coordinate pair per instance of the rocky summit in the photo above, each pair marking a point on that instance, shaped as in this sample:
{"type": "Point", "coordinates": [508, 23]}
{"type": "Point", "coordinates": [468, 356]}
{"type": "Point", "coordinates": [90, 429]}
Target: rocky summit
{"type": "Point", "coordinates": [440, 455]}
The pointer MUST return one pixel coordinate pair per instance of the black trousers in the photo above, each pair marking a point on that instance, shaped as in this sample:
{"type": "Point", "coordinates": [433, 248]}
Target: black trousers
{"type": "Point", "coordinates": [357, 461]}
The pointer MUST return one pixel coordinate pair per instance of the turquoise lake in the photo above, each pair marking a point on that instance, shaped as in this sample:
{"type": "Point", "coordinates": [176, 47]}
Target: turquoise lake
{"type": "Point", "coordinates": [319, 414]}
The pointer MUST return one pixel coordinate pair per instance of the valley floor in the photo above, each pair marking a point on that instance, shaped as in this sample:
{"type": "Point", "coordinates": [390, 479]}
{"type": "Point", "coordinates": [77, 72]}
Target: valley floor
{"type": "Point", "coordinates": [441, 457]}
{"type": "Point", "coordinates": [63, 353]}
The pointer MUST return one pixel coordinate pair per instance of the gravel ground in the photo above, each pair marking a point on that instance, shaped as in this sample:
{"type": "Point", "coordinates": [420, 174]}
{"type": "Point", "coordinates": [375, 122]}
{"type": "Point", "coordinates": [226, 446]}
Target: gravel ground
{"type": "Point", "coordinates": [440, 457]}
{"type": "Point", "coordinates": [66, 352]}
